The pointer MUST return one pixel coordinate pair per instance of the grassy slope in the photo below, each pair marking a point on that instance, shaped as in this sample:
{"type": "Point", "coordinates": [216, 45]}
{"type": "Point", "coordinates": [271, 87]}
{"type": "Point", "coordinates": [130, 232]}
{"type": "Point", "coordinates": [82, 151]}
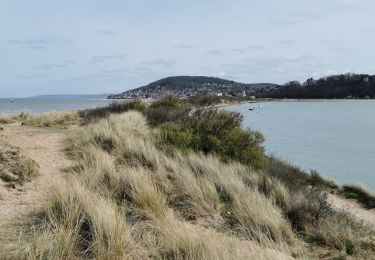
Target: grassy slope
{"type": "Point", "coordinates": [175, 206]}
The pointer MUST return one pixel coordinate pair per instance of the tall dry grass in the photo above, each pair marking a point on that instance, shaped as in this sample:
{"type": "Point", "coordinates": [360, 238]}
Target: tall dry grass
{"type": "Point", "coordinates": [50, 119]}
{"type": "Point", "coordinates": [15, 167]}
{"type": "Point", "coordinates": [128, 199]}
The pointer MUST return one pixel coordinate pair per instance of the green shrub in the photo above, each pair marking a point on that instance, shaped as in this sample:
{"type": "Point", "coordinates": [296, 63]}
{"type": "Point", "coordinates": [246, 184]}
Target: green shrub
{"type": "Point", "coordinates": [175, 134]}
{"type": "Point", "coordinates": [218, 133]}
{"type": "Point", "coordinates": [5, 177]}
{"type": "Point", "coordinates": [360, 194]}
{"type": "Point", "coordinates": [221, 133]}
{"type": "Point", "coordinates": [204, 101]}
{"type": "Point", "coordinates": [167, 110]}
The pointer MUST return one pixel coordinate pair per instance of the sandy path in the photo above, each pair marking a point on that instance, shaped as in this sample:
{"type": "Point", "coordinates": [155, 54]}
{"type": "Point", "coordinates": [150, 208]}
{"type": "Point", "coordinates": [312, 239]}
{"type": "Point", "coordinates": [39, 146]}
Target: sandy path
{"type": "Point", "coordinates": [45, 147]}
{"type": "Point", "coordinates": [354, 208]}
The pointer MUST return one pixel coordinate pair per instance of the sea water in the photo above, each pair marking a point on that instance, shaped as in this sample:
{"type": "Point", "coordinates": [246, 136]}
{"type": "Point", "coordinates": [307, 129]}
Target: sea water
{"type": "Point", "coordinates": [336, 138]}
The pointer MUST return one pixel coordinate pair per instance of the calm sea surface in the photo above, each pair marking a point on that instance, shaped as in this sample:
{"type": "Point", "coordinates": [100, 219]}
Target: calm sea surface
{"type": "Point", "coordinates": [336, 138]}
{"type": "Point", "coordinates": [37, 106]}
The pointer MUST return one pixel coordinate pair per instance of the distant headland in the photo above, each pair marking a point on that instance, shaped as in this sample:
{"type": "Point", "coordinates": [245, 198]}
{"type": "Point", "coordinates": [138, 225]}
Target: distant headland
{"type": "Point", "coordinates": [344, 86]}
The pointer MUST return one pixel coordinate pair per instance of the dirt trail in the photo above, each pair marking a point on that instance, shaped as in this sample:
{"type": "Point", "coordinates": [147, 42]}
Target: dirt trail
{"type": "Point", "coordinates": [46, 148]}
{"type": "Point", "coordinates": [354, 208]}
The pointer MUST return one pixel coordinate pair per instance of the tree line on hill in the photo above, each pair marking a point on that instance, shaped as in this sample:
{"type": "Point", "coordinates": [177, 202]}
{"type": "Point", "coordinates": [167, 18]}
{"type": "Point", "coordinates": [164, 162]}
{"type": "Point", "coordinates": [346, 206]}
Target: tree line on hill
{"type": "Point", "coordinates": [358, 86]}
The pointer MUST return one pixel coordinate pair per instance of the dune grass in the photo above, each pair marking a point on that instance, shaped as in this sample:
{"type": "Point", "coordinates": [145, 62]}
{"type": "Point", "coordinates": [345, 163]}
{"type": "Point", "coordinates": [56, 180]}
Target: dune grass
{"type": "Point", "coordinates": [51, 119]}
{"type": "Point", "coordinates": [129, 197]}
{"type": "Point", "coordinates": [16, 168]}
{"type": "Point", "coordinates": [6, 120]}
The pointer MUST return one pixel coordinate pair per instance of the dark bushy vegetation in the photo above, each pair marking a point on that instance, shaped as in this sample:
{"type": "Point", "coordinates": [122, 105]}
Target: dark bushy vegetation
{"type": "Point", "coordinates": [339, 86]}
{"type": "Point", "coordinates": [89, 115]}
{"type": "Point", "coordinates": [202, 101]}
{"type": "Point", "coordinates": [207, 131]}
{"type": "Point", "coordinates": [294, 177]}
{"type": "Point", "coordinates": [167, 110]}
{"type": "Point", "coordinates": [360, 194]}
{"type": "Point", "coordinates": [205, 100]}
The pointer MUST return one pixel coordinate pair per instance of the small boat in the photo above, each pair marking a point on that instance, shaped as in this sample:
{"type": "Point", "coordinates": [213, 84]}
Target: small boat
{"type": "Point", "coordinates": [260, 106]}
{"type": "Point", "coordinates": [252, 108]}
{"type": "Point", "coordinates": [11, 100]}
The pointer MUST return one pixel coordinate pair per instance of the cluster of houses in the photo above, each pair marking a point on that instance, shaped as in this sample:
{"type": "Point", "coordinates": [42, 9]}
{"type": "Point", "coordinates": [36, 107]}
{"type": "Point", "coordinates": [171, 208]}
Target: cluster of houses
{"type": "Point", "coordinates": [158, 92]}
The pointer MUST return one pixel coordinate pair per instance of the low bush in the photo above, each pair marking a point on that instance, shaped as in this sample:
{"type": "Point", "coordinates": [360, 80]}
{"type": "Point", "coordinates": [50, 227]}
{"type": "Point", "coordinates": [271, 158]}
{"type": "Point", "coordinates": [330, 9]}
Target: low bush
{"type": "Point", "coordinates": [294, 177]}
{"type": "Point", "coordinates": [360, 194]}
{"type": "Point", "coordinates": [89, 115]}
{"type": "Point", "coordinates": [308, 208]}
{"type": "Point", "coordinates": [5, 177]}
{"type": "Point", "coordinates": [204, 100]}
{"type": "Point", "coordinates": [217, 133]}
{"type": "Point", "coordinates": [175, 134]}
{"type": "Point", "coordinates": [166, 110]}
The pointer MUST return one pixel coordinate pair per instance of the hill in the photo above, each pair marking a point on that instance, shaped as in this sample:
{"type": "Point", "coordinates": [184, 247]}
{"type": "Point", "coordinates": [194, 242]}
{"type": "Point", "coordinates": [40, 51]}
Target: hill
{"type": "Point", "coordinates": [360, 86]}
{"type": "Point", "coordinates": [186, 86]}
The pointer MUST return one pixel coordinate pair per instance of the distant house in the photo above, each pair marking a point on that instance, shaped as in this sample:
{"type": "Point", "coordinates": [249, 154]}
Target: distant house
{"type": "Point", "coordinates": [244, 94]}
{"type": "Point", "coordinates": [219, 94]}
{"type": "Point", "coordinates": [252, 97]}
{"type": "Point", "coordinates": [367, 97]}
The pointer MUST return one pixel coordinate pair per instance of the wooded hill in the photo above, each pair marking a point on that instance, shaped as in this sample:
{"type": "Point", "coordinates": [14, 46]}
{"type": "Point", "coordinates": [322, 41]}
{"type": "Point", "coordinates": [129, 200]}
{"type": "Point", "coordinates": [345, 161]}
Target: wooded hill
{"type": "Point", "coordinates": [339, 86]}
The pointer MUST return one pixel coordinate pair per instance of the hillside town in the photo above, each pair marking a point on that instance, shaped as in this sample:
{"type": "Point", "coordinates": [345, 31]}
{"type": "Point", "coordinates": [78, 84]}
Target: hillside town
{"type": "Point", "coordinates": [185, 87]}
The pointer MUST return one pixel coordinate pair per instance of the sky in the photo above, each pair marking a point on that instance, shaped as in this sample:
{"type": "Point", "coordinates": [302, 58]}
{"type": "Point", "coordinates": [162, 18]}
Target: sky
{"type": "Point", "coordinates": [109, 46]}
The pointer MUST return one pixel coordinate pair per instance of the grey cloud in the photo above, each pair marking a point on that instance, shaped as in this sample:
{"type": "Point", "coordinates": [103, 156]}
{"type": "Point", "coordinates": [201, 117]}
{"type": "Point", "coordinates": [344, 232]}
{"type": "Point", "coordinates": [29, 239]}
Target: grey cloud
{"type": "Point", "coordinates": [104, 58]}
{"type": "Point", "coordinates": [34, 76]}
{"type": "Point", "coordinates": [32, 42]}
{"type": "Point", "coordinates": [49, 66]}
{"type": "Point", "coordinates": [255, 47]}
{"type": "Point", "coordinates": [218, 52]}
{"type": "Point", "coordinates": [287, 42]}
{"type": "Point", "coordinates": [165, 63]}
{"type": "Point", "coordinates": [277, 65]}
{"type": "Point", "coordinates": [238, 50]}
{"type": "Point", "coordinates": [183, 47]}
{"type": "Point", "coordinates": [351, 5]}
{"type": "Point", "coordinates": [301, 17]}
{"type": "Point", "coordinates": [105, 32]}
{"type": "Point", "coordinates": [342, 50]}
{"type": "Point", "coordinates": [215, 52]}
